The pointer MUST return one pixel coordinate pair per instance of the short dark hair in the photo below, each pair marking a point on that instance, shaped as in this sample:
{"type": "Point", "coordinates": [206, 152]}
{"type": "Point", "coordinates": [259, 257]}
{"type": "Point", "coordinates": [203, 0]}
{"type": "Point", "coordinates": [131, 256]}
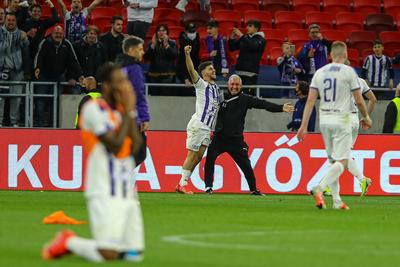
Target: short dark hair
{"type": "Point", "coordinates": [212, 23]}
{"type": "Point", "coordinates": [11, 14]}
{"type": "Point", "coordinates": [204, 65]}
{"type": "Point", "coordinates": [255, 23]}
{"type": "Point", "coordinates": [35, 6]}
{"type": "Point", "coordinates": [304, 87]}
{"type": "Point", "coordinates": [131, 41]}
{"type": "Point", "coordinates": [115, 18]}
{"type": "Point", "coordinates": [378, 42]}
{"type": "Point", "coordinates": [165, 26]}
{"type": "Point", "coordinates": [93, 28]}
{"type": "Point", "coordinates": [104, 73]}
{"type": "Point", "coordinates": [314, 26]}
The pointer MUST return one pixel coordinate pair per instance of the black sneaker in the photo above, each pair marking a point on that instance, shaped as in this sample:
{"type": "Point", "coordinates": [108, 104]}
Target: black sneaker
{"type": "Point", "coordinates": [208, 191]}
{"type": "Point", "coordinates": [257, 193]}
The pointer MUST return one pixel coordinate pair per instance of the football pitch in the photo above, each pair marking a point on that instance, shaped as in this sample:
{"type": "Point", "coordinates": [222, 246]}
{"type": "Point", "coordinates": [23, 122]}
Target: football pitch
{"type": "Point", "coordinates": [218, 230]}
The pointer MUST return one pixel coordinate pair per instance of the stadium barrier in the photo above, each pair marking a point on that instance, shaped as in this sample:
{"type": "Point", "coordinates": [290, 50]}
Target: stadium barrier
{"type": "Point", "coordinates": [54, 160]}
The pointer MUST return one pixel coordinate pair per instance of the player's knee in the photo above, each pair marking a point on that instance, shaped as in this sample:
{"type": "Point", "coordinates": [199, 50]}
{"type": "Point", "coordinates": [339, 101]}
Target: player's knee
{"type": "Point", "coordinates": [109, 255]}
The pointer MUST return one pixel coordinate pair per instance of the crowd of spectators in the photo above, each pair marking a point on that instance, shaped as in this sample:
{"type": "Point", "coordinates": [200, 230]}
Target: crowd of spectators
{"type": "Point", "coordinates": [33, 48]}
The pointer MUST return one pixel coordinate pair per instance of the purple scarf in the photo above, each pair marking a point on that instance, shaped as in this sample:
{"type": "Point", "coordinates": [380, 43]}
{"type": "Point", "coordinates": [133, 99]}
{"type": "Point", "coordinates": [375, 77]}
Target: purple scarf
{"type": "Point", "coordinates": [210, 48]}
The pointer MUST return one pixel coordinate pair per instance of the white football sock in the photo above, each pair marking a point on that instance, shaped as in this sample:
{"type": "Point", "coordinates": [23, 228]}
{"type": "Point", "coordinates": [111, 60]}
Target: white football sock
{"type": "Point", "coordinates": [85, 248]}
{"type": "Point", "coordinates": [335, 189]}
{"type": "Point", "coordinates": [185, 177]}
{"type": "Point", "coordinates": [353, 169]}
{"type": "Point", "coordinates": [334, 171]}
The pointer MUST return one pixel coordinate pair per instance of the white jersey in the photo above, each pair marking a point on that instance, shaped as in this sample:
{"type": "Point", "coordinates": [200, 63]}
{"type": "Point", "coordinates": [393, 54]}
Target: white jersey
{"type": "Point", "coordinates": [208, 98]}
{"type": "Point", "coordinates": [107, 174]}
{"type": "Point", "coordinates": [335, 83]}
{"type": "Point", "coordinates": [364, 89]}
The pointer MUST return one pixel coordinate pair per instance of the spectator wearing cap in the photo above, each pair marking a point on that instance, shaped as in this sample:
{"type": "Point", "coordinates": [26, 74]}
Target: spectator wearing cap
{"type": "Point", "coordinates": [161, 53]}
{"type": "Point", "coordinates": [188, 37]}
{"type": "Point", "coordinates": [90, 52]}
{"type": "Point", "coordinates": [217, 50]}
{"type": "Point", "coordinates": [36, 26]}
{"type": "Point", "coordinates": [20, 9]}
{"type": "Point", "coordinates": [315, 53]}
{"type": "Point", "coordinates": [13, 58]}
{"type": "Point", "coordinates": [251, 47]}
{"type": "Point", "coordinates": [2, 16]}
{"type": "Point", "coordinates": [55, 61]}
{"type": "Point", "coordinates": [140, 16]}
{"type": "Point", "coordinates": [76, 20]}
{"type": "Point", "coordinates": [113, 39]}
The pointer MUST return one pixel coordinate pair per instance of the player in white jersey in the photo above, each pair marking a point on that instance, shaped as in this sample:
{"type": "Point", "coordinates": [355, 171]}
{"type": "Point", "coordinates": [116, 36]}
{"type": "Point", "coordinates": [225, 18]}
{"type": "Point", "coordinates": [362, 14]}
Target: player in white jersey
{"type": "Point", "coordinates": [335, 83]}
{"type": "Point", "coordinates": [203, 120]}
{"type": "Point", "coordinates": [111, 139]}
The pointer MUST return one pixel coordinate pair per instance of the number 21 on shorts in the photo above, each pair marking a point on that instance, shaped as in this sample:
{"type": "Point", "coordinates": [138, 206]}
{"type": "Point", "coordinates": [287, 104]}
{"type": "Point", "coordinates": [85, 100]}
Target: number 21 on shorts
{"type": "Point", "coordinates": [330, 90]}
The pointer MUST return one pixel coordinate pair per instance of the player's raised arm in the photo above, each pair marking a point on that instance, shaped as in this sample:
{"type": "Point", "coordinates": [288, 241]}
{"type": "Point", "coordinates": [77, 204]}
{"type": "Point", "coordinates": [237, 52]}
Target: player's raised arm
{"type": "Point", "coordinates": [189, 64]}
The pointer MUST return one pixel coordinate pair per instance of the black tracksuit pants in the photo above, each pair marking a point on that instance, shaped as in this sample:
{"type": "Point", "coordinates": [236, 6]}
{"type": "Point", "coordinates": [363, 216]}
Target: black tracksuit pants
{"type": "Point", "coordinates": [238, 150]}
{"type": "Point", "coordinates": [142, 153]}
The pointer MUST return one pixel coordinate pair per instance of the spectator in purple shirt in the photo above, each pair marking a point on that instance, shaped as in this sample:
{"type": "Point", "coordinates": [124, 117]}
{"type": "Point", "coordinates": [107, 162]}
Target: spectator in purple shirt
{"type": "Point", "coordinates": [315, 53]}
{"type": "Point", "coordinates": [133, 52]}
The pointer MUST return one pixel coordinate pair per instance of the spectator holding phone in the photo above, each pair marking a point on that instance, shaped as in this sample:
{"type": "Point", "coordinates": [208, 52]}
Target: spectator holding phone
{"type": "Point", "coordinates": [290, 68]}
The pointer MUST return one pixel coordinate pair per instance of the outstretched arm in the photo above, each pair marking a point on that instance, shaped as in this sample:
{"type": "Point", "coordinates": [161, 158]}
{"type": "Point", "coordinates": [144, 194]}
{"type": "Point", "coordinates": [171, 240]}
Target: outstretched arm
{"type": "Point", "coordinates": [189, 64]}
{"type": "Point", "coordinates": [63, 7]}
{"type": "Point", "coordinates": [93, 5]}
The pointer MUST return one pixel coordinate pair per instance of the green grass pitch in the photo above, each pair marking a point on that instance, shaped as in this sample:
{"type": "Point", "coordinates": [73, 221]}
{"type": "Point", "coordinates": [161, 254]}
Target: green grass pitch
{"type": "Point", "coordinates": [218, 230]}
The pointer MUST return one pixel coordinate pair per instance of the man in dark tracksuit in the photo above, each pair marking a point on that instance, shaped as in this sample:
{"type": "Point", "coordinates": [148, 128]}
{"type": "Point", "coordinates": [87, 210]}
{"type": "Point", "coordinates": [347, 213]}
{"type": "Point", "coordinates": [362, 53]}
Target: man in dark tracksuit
{"type": "Point", "coordinates": [228, 134]}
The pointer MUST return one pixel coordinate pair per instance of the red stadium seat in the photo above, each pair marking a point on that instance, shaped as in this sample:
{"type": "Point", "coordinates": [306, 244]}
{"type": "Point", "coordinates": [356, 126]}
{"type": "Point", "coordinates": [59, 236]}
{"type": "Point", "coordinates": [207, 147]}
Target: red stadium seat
{"type": "Point", "coordinates": [104, 12]}
{"type": "Point", "coordinates": [354, 57]}
{"type": "Point", "coordinates": [174, 32]}
{"type": "Point", "coordinates": [46, 12]}
{"type": "Point", "coordinates": [170, 16]}
{"type": "Point", "coordinates": [298, 37]}
{"type": "Point", "coordinates": [335, 6]}
{"type": "Point", "coordinates": [274, 38]}
{"type": "Point", "coordinates": [323, 19]}
{"type": "Point", "coordinates": [203, 32]}
{"type": "Point", "coordinates": [367, 6]}
{"type": "Point", "coordinates": [228, 18]}
{"type": "Point", "coordinates": [392, 7]}
{"type": "Point", "coordinates": [362, 40]}
{"type": "Point", "coordinates": [287, 20]}
{"type": "Point", "coordinates": [273, 6]}
{"type": "Point", "coordinates": [120, 6]}
{"type": "Point", "coordinates": [366, 52]}
{"type": "Point", "coordinates": [263, 16]}
{"type": "Point", "coordinates": [103, 23]}
{"type": "Point", "coordinates": [391, 40]}
{"type": "Point", "coordinates": [379, 22]}
{"type": "Point", "coordinates": [199, 18]}
{"type": "Point", "coordinates": [192, 6]}
{"type": "Point", "coordinates": [348, 21]}
{"type": "Point", "coordinates": [274, 53]}
{"type": "Point", "coordinates": [219, 4]}
{"type": "Point", "coordinates": [243, 5]}
{"type": "Point", "coordinates": [335, 35]}
{"type": "Point", "coordinates": [306, 5]}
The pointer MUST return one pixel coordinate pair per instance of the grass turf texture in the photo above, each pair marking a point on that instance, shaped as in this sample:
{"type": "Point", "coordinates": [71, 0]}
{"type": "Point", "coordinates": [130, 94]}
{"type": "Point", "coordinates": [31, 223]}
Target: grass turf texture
{"type": "Point", "coordinates": [218, 230]}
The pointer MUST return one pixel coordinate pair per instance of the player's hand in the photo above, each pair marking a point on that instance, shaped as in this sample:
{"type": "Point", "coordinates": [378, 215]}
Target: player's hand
{"type": "Point", "coordinates": [144, 126]}
{"type": "Point", "coordinates": [391, 84]}
{"type": "Point", "coordinates": [213, 53]}
{"type": "Point", "coordinates": [188, 49]}
{"type": "Point", "coordinates": [188, 83]}
{"type": "Point", "coordinates": [297, 70]}
{"type": "Point", "coordinates": [72, 82]}
{"type": "Point", "coordinates": [288, 107]}
{"type": "Point", "coordinates": [37, 73]}
{"type": "Point", "coordinates": [366, 123]}
{"type": "Point", "coordinates": [301, 133]}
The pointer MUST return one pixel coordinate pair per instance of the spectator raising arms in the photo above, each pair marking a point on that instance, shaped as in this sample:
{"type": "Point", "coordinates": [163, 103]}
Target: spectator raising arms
{"type": "Point", "coordinates": [13, 63]}
{"type": "Point", "coordinates": [217, 49]}
{"type": "Point", "coordinates": [251, 47]}
{"type": "Point", "coordinates": [161, 53]}
{"type": "Point", "coordinates": [192, 38]}
{"type": "Point", "coordinates": [289, 67]}
{"type": "Point", "coordinates": [140, 16]}
{"type": "Point", "coordinates": [36, 26]}
{"type": "Point", "coordinates": [314, 53]}
{"type": "Point", "coordinates": [20, 9]}
{"type": "Point", "coordinates": [75, 21]}
{"type": "Point", "coordinates": [90, 52]}
{"type": "Point", "coordinates": [113, 39]}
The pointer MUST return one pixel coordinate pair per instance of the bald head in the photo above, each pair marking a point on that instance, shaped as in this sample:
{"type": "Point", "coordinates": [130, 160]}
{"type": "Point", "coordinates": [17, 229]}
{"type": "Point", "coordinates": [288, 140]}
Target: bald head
{"type": "Point", "coordinates": [89, 83]}
{"type": "Point", "coordinates": [234, 84]}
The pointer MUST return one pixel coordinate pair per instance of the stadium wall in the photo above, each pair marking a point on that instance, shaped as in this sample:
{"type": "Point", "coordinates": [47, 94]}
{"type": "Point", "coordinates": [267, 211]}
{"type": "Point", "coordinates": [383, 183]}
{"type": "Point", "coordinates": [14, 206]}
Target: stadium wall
{"type": "Point", "coordinates": [54, 160]}
{"type": "Point", "coordinates": [164, 117]}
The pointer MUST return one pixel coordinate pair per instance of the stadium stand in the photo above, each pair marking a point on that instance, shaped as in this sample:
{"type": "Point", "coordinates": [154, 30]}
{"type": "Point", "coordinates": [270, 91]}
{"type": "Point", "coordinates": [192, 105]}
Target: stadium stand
{"type": "Point", "coordinates": [306, 5]}
{"type": "Point", "coordinates": [228, 19]}
{"type": "Point", "coordinates": [323, 19]}
{"type": "Point", "coordinates": [337, 35]}
{"type": "Point", "coordinates": [287, 20]}
{"type": "Point", "coordinates": [275, 5]}
{"type": "Point", "coordinates": [298, 37]}
{"type": "Point", "coordinates": [391, 7]}
{"type": "Point", "coordinates": [349, 21]}
{"type": "Point", "coordinates": [243, 5]}
{"type": "Point", "coordinates": [379, 22]}
{"type": "Point", "coordinates": [219, 4]}
{"type": "Point", "coordinates": [263, 16]}
{"type": "Point", "coordinates": [335, 6]}
{"type": "Point", "coordinates": [170, 16]}
{"type": "Point", "coordinates": [367, 6]}
{"type": "Point", "coordinates": [274, 37]}
{"type": "Point", "coordinates": [361, 40]}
